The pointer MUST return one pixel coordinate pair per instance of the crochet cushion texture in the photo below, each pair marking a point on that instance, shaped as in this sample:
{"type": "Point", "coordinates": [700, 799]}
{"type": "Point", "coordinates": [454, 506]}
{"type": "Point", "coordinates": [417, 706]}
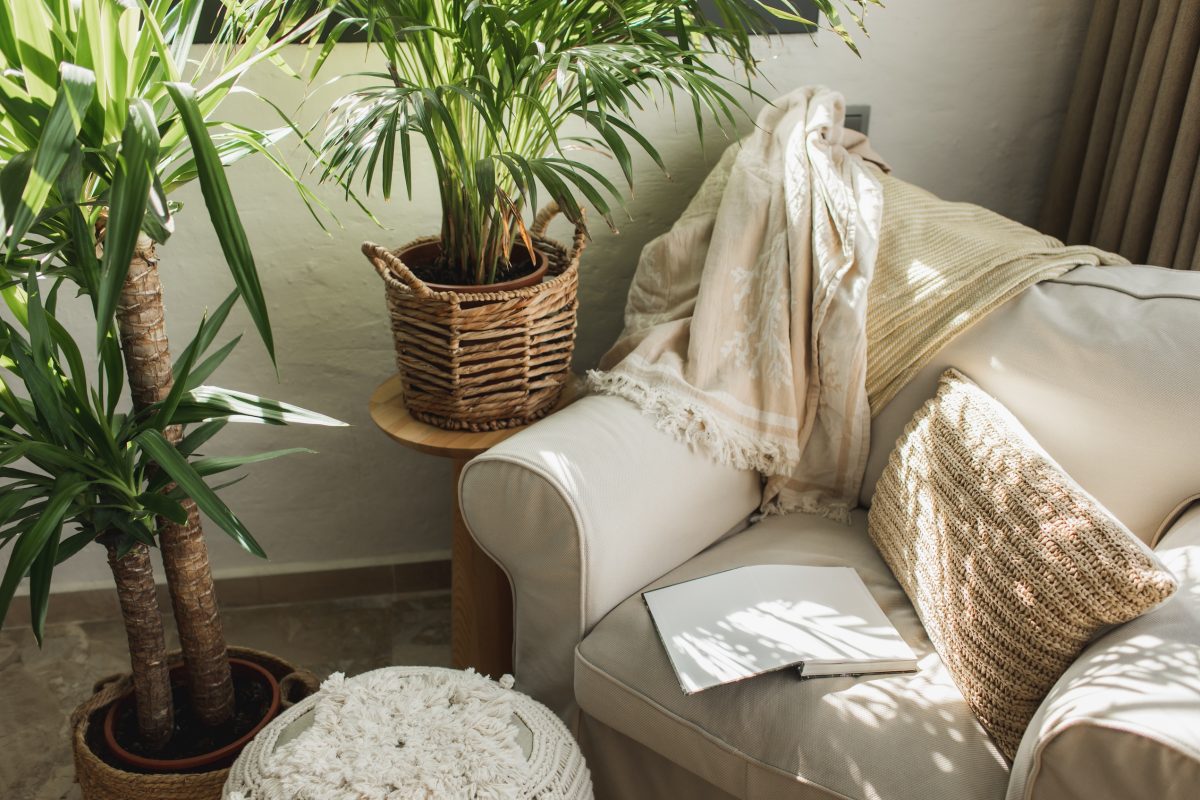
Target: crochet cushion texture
{"type": "Point", "coordinates": [1011, 565]}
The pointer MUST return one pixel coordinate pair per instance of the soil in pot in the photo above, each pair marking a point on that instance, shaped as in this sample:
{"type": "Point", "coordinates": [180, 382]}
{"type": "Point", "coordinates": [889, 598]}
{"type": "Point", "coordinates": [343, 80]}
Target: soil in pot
{"type": "Point", "coordinates": [428, 264]}
{"type": "Point", "coordinates": [194, 745]}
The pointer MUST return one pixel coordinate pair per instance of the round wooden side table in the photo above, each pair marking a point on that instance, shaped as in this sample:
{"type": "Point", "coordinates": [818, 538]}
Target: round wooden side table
{"type": "Point", "coordinates": [480, 599]}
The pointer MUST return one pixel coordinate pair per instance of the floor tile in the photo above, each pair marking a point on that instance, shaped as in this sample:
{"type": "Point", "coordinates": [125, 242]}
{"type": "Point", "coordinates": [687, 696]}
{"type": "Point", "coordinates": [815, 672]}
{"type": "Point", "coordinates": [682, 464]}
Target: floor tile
{"type": "Point", "coordinates": [40, 686]}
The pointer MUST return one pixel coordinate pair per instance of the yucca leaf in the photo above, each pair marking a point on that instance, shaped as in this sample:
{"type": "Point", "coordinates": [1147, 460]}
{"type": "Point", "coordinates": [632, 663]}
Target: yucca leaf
{"type": "Point", "coordinates": [213, 465]}
{"type": "Point", "coordinates": [158, 223]}
{"type": "Point", "coordinates": [222, 211]}
{"type": "Point", "coordinates": [32, 541]}
{"type": "Point", "coordinates": [164, 507]}
{"type": "Point", "coordinates": [113, 370]}
{"type": "Point", "coordinates": [32, 29]}
{"type": "Point", "coordinates": [194, 439]}
{"type": "Point", "coordinates": [74, 544]}
{"type": "Point", "coordinates": [204, 370]}
{"type": "Point", "coordinates": [40, 573]}
{"type": "Point", "coordinates": [78, 231]}
{"type": "Point", "coordinates": [243, 407]}
{"type": "Point", "coordinates": [11, 501]}
{"type": "Point", "coordinates": [37, 370]}
{"type": "Point", "coordinates": [127, 203]}
{"type": "Point", "coordinates": [210, 326]}
{"type": "Point", "coordinates": [76, 87]}
{"type": "Point", "coordinates": [175, 465]}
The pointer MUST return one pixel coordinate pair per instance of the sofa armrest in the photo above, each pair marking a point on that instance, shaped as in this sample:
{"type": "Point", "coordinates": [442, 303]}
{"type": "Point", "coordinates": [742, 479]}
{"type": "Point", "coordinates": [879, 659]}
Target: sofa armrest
{"type": "Point", "coordinates": [1124, 720]}
{"type": "Point", "coordinates": [583, 509]}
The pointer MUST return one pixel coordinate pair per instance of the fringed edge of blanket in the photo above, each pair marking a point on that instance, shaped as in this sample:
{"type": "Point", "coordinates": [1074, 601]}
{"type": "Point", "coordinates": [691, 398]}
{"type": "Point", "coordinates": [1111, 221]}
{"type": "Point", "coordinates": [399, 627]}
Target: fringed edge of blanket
{"type": "Point", "coordinates": [838, 511]}
{"type": "Point", "coordinates": [692, 424]}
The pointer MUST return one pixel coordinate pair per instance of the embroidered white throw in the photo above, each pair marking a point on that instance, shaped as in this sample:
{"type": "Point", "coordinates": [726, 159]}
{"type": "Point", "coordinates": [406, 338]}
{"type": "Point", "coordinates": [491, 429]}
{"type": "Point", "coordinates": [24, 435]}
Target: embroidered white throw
{"type": "Point", "coordinates": [746, 329]}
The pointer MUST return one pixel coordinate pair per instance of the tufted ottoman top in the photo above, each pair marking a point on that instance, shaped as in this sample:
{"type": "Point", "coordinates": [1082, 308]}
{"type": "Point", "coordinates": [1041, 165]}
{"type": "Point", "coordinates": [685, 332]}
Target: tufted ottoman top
{"type": "Point", "coordinates": [412, 732]}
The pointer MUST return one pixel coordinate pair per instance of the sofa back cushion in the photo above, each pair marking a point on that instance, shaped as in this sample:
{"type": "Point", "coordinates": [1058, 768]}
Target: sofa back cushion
{"type": "Point", "coordinates": [1102, 367]}
{"type": "Point", "coordinates": [1011, 566]}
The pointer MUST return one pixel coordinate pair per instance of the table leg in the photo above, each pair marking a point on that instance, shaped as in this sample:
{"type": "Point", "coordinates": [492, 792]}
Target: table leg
{"type": "Point", "coordinates": [481, 602]}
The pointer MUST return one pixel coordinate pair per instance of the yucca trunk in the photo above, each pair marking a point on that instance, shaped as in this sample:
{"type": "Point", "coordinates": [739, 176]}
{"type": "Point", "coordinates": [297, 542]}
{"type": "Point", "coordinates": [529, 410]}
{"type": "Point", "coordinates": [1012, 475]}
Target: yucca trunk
{"type": "Point", "coordinates": [134, 575]}
{"type": "Point", "coordinates": [140, 318]}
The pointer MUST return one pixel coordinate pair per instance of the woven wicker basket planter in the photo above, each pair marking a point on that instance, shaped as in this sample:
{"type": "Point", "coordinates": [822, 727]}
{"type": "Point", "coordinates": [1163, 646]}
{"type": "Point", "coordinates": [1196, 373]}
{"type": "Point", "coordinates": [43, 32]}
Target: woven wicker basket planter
{"type": "Point", "coordinates": [99, 780]}
{"type": "Point", "coordinates": [483, 360]}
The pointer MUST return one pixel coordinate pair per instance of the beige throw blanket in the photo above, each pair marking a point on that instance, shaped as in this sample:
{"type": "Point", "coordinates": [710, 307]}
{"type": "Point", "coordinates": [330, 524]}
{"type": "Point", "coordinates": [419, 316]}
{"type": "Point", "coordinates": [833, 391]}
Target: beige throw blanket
{"type": "Point", "coordinates": [748, 325]}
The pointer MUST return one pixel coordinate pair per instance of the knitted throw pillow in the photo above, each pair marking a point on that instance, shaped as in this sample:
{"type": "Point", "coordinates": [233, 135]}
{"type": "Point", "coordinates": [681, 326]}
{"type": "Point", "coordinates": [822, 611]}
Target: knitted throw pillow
{"type": "Point", "coordinates": [1010, 564]}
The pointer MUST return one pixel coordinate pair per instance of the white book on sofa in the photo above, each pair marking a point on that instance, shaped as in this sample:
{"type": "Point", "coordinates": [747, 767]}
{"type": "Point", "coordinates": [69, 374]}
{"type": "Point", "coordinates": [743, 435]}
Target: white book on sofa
{"type": "Point", "coordinates": [746, 621]}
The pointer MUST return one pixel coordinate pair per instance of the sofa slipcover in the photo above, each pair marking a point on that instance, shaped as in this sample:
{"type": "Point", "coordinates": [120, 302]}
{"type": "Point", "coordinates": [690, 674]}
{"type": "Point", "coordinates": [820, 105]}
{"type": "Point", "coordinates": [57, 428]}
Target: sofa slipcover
{"type": "Point", "coordinates": [1124, 720]}
{"type": "Point", "coordinates": [586, 508]}
{"type": "Point", "coordinates": [873, 738]}
{"type": "Point", "coordinates": [1102, 367]}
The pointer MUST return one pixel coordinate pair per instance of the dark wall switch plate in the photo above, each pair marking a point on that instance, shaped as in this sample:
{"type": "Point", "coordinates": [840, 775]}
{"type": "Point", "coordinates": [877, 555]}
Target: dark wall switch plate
{"type": "Point", "coordinates": [858, 118]}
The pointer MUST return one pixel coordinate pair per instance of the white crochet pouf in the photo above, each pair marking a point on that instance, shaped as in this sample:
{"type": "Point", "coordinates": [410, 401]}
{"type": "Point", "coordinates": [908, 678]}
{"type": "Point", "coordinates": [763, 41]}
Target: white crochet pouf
{"type": "Point", "coordinates": [402, 733]}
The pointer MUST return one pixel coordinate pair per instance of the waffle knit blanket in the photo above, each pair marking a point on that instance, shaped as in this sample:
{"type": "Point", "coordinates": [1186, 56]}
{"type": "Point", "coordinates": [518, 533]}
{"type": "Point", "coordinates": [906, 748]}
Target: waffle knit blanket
{"type": "Point", "coordinates": [802, 288]}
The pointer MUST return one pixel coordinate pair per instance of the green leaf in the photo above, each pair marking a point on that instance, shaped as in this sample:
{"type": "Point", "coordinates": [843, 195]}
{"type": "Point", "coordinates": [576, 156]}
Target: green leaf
{"type": "Point", "coordinates": [76, 88]}
{"type": "Point", "coordinates": [113, 365]}
{"type": "Point", "coordinates": [39, 372]}
{"type": "Point", "coordinates": [74, 544]}
{"type": "Point", "coordinates": [31, 542]}
{"type": "Point", "coordinates": [12, 501]}
{"type": "Point", "coordinates": [164, 507]}
{"type": "Point", "coordinates": [202, 371]}
{"type": "Point", "coordinates": [175, 465]}
{"type": "Point", "coordinates": [40, 573]}
{"type": "Point", "coordinates": [32, 27]}
{"type": "Point", "coordinates": [79, 232]}
{"type": "Point", "coordinates": [195, 439]}
{"type": "Point", "coordinates": [222, 211]}
{"type": "Point", "coordinates": [126, 209]}
{"type": "Point", "coordinates": [13, 176]}
{"type": "Point", "coordinates": [210, 326]}
{"type": "Point", "coordinates": [217, 464]}
{"type": "Point", "coordinates": [242, 406]}
{"type": "Point", "coordinates": [158, 223]}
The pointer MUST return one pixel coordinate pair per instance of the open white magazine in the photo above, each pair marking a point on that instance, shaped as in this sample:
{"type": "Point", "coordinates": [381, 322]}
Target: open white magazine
{"type": "Point", "coordinates": [746, 621]}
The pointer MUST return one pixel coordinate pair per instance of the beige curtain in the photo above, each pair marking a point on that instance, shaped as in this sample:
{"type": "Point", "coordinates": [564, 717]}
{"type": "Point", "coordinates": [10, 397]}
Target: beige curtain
{"type": "Point", "coordinates": [1126, 178]}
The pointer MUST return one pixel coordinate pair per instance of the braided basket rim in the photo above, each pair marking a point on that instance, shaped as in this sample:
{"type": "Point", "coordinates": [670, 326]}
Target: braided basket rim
{"type": "Point", "coordinates": [542, 243]}
{"type": "Point", "coordinates": [99, 780]}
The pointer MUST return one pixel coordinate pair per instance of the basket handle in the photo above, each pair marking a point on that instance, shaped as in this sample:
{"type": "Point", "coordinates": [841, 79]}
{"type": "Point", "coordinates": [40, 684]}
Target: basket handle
{"type": "Point", "coordinates": [548, 212]}
{"type": "Point", "coordinates": [394, 271]}
{"type": "Point", "coordinates": [297, 685]}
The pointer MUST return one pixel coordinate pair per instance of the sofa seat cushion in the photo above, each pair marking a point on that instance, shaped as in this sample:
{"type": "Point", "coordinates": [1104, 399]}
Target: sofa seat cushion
{"type": "Point", "coordinates": [776, 736]}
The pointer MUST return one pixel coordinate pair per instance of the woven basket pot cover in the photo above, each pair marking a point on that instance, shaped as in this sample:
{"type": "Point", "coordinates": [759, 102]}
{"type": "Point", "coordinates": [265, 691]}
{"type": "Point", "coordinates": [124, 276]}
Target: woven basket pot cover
{"type": "Point", "coordinates": [412, 732]}
{"type": "Point", "coordinates": [98, 780]}
{"type": "Point", "coordinates": [488, 359]}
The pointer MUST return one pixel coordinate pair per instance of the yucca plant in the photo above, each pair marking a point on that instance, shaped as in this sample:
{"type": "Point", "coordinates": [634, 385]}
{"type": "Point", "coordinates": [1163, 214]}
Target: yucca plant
{"type": "Point", "coordinates": [488, 86]}
{"type": "Point", "coordinates": [104, 116]}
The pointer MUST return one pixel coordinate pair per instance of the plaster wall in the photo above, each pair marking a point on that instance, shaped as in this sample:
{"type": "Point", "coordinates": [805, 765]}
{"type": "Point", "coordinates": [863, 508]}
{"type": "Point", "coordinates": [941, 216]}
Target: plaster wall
{"type": "Point", "coordinates": [967, 100]}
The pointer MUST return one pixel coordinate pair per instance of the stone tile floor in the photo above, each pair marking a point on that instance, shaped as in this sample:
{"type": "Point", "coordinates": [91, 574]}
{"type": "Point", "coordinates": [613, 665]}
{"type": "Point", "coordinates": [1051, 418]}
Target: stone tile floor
{"type": "Point", "coordinates": [40, 687]}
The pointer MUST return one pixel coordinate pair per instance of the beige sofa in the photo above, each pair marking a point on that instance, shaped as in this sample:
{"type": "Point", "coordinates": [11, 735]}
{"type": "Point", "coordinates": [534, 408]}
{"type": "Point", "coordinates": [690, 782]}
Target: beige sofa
{"type": "Point", "coordinates": [586, 509]}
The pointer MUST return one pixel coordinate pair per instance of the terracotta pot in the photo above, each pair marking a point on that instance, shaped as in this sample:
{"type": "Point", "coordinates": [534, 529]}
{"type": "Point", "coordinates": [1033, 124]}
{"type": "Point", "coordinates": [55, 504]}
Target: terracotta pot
{"type": "Point", "coordinates": [206, 761]}
{"type": "Point", "coordinates": [427, 252]}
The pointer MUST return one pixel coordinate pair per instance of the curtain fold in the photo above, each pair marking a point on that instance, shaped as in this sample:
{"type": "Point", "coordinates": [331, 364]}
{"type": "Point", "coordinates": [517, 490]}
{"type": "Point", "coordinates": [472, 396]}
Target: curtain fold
{"type": "Point", "coordinates": [1126, 177]}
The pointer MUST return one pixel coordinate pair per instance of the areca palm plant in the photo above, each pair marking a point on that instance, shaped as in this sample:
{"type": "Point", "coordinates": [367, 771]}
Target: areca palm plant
{"type": "Point", "coordinates": [489, 86]}
{"type": "Point", "coordinates": [104, 117]}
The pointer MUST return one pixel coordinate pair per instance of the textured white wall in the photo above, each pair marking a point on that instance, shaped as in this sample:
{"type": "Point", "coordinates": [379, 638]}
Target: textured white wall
{"type": "Point", "coordinates": [966, 97]}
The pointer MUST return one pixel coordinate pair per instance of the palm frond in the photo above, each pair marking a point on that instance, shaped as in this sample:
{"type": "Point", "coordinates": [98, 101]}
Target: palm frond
{"type": "Point", "coordinates": [486, 87]}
